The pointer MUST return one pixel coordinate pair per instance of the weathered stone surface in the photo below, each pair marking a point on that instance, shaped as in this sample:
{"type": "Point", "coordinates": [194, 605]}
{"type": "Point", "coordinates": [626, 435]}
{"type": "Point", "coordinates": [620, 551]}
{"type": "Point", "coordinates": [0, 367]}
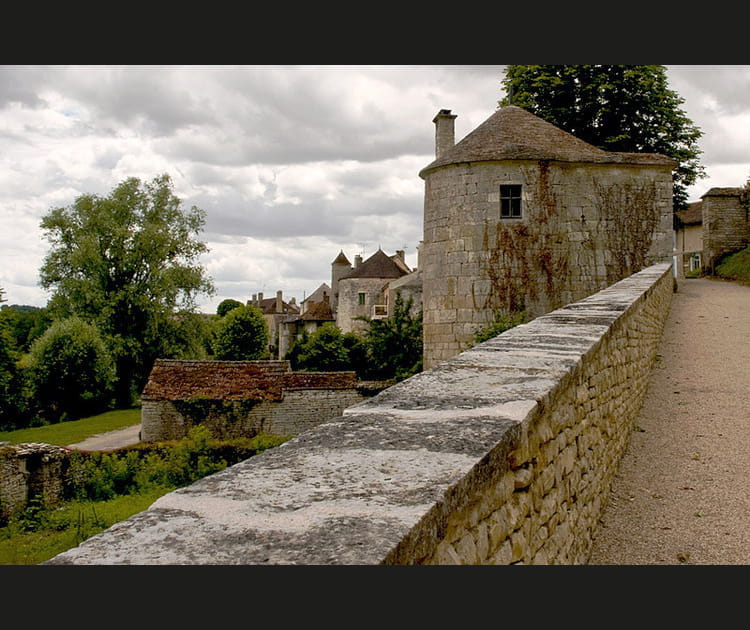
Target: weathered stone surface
{"type": "Point", "coordinates": [504, 453]}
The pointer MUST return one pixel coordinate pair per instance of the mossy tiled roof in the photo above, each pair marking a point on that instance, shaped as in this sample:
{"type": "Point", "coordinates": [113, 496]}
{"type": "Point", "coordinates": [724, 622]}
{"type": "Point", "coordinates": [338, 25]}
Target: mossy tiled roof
{"type": "Point", "coordinates": [512, 133]}
{"type": "Point", "coordinates": [172, 379]}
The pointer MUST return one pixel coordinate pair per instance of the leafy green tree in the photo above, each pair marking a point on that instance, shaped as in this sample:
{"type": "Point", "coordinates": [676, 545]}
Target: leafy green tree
{"type": "Point", "coordinates": [322, 351]}
{"type": "Point", "coordinates": [227, 305]}
{"type": "Point", "coordinates": [72, 370]}
{"type": "Point", "coordinates": [10, 384]}
{"type": "Point", "coordinates": [25, 323]}
{"type": "Point", "coordinates": [129, 263]}
{"type": "Point", "coordinates": [395, 343]}
{"type": "Point", "coordinates": [614, 107]}
{"type": "Point", "coordinates": [242, 335]}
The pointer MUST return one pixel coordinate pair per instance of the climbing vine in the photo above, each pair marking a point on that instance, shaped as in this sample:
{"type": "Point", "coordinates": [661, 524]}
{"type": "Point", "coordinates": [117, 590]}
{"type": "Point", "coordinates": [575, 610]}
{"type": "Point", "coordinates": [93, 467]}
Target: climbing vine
{"type": "Point", "coordinates": [526, 260]}
{"type": "Point", "coordinates": [629, 217]}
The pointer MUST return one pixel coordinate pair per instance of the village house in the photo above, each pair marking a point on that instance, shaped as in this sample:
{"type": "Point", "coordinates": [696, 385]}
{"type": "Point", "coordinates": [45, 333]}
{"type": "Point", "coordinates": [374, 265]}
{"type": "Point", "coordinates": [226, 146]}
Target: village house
{"type": "Point", "coordinates": [275, 310]}
{"type": "Point", "coordinates": [315, 311]}
{"type": "Point", "coordinates": [362, 290]}
{"type": "Point", "coordinates": [708, 229]}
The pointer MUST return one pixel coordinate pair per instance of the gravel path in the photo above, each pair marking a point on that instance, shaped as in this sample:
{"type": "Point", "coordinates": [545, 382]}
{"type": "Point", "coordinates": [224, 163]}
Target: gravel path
{"type": "Point", "coordinates": [682, 492]}
{"type": "Point", "coordinates": [111, 439]}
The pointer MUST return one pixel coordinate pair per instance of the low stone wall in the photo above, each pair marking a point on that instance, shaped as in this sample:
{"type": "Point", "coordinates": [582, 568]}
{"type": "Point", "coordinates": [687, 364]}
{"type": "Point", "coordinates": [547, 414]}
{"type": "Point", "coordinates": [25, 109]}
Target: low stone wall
{"type": "Point", "coordinates": [503, 454]}
{"type": "Point", "coordinates": [297, 411]}
{"type": "Point", "coordinates": [30, 471]}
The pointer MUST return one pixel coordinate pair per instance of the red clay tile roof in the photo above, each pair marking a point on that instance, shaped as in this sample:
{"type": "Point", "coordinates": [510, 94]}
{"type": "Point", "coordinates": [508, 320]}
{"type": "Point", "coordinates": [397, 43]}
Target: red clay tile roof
{"type": "Point", "coordinates": [318, 312]}
{"type": "Point", "coordinates": [172, 379]}
{"type": "Point", "coordinates": [268, 307]}
{"type": "Point", "coordinates": [512, 133]}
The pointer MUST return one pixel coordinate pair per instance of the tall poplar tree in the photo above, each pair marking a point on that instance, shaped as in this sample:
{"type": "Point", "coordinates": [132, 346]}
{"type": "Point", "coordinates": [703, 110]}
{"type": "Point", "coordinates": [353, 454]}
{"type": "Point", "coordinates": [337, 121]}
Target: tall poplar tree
{"type": "Point", "coordinates": [129, 263]}
{"type": "Point", "coordinates": [615, 108]}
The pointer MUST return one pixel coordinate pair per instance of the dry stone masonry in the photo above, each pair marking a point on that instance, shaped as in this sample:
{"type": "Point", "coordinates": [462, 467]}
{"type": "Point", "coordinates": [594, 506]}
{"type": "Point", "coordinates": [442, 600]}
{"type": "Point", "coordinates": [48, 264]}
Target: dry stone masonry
{"type": "Point", "coordinates": [503, 454]}
{"type": "Point", "coordinates": [32, 470]}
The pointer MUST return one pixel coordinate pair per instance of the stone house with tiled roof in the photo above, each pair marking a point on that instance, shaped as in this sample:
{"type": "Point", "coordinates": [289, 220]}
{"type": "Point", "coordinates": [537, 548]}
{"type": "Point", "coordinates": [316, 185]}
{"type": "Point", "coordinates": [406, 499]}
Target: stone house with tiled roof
{"type": "Point", "coordinates": [362, 291]}
{"type": "Point", "coordinates": [314, 314]}
{"type": "Point", "coordinates": [523, 216]}
{"type": "Point", "coordinates": [688, 239]}
{"type": "Point", "coordinates": [275, 310]}
{"type": "Point", "coordinates": [242, 398]}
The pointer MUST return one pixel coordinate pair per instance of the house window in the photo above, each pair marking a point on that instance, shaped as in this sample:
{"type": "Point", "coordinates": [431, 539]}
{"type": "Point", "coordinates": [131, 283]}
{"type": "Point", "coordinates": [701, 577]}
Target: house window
{"type": "Point", "coordinates": [361, 297]}
{"type": "Point", "coordinates": [510, 201]}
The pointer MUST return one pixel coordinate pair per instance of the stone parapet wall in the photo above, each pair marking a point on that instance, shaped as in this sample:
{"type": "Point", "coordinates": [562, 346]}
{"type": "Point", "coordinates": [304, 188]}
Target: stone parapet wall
{"type": "Point", "coordinates": [30, 471]}
{"type": "Point", "coordinates": [503, 454]}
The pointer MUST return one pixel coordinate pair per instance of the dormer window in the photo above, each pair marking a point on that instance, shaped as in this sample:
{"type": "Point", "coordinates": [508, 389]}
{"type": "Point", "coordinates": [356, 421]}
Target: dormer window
{"type": "Point", "coordinates": [510, 201]}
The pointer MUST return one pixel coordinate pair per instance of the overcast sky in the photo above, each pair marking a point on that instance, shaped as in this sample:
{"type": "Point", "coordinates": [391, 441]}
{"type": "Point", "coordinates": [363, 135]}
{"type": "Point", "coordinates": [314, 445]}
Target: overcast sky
{"type": "Point", "coordinates": [291, 164]}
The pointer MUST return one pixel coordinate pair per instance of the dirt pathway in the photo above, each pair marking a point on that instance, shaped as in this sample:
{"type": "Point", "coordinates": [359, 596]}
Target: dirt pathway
{"type": "Point", "coordinates": [111, 439]}
{"type": "Point", "coordinates": [682, 493]}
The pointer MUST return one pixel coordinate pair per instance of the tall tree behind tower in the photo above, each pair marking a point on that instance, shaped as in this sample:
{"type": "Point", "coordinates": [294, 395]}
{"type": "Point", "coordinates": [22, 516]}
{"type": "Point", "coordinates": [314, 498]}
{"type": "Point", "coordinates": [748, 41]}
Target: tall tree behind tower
{"type": "Point", "coordinates": [616, 108]}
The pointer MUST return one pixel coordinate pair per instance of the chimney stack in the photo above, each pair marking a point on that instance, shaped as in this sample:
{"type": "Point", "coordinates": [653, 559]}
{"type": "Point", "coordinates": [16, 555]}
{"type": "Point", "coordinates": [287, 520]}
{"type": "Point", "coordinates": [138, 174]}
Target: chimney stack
{"type": "Point", "coordinates": [445, 133]}
{"type": "Point", "coordinates": [357, 261]}
{"type": "Point", "coordinates": [279, 303]}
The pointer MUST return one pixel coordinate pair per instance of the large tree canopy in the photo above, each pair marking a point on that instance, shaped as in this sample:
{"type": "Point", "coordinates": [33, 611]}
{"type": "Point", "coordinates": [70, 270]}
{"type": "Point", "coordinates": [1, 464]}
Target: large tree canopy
{"type": "Point", "coordinates": [615, 108]}
{"type": "Point", "coordinates": [128, 262]}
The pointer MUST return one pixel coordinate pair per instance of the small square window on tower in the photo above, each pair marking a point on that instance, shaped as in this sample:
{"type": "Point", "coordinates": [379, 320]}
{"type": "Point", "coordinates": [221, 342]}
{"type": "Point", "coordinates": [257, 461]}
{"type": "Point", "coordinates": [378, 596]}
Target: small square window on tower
{"type": "Point", "coordinates": [510, 201]}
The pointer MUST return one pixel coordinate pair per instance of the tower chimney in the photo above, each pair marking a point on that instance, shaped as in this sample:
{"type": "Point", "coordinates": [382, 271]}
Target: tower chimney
{"type": "Point", "coordinates": [445, 133]}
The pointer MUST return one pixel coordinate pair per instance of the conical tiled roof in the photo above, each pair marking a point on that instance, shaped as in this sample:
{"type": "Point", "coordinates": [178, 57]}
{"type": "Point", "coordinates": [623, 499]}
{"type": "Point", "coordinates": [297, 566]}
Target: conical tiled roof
{"type": "Point", "coordinates": [379, 265]}
{"type": "Point", "coordinates": [341, 259]}
{"type": "Point", "coordinates": [512, 133]}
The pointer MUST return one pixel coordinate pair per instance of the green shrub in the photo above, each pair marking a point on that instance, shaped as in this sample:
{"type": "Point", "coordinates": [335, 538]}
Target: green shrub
{"type": "Point", "coordinates": [241, 335]}
{"type": "Point", "coordinates": [735, 266]}
{"type": "Point", "coordinates": [502, 322]}
{"type": "Point", "coordinates": [71, 370]}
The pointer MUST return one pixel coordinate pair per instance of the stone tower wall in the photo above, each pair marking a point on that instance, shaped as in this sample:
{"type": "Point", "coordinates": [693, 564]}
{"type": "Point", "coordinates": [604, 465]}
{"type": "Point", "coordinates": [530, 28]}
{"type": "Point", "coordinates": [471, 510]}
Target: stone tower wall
{"type": "Point", "coordinates": [584, 227]}
{"type": "Point", "coordinates": [725, 225]}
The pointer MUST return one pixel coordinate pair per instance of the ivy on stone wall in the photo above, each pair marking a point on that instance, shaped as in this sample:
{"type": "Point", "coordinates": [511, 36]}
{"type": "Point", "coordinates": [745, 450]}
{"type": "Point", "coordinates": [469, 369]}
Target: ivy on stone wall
{"type": "Point", "coordinates": [629, 214]}
{"type": "Point", "coordinates": [527, 259]}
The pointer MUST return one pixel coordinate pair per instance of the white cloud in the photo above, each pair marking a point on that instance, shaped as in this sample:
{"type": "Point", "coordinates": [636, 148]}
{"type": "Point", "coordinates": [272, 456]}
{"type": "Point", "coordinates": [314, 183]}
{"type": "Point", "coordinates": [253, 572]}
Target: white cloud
{"type": "Point", "coordinates": [291, 164]}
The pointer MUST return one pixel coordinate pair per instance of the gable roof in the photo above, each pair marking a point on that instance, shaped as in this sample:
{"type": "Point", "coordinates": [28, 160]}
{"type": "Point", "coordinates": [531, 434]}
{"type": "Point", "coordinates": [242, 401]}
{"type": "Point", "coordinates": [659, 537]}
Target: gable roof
{"type": "Point", "coordinates": [318, 312]}
{"type": "Point", "coordinates": [318, 294]}
{"type": "Point", "coordinates": [173, 379]}
{"type": "Point", "coordinates": [379, 265]}
{"type": "Point", "coordinates": [512, 133]}
{"type": "Point", "coordinates": [268, 307]}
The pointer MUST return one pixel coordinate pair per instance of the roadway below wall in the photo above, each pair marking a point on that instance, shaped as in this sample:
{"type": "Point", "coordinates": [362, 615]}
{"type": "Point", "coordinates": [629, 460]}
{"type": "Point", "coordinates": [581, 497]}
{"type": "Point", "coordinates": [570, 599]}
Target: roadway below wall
{"type": "Point", "coordinates": [682, 492]}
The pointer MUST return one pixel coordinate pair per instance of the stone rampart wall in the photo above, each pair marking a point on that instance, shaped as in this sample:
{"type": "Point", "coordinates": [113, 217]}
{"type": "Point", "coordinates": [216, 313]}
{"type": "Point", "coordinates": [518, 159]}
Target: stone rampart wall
{"type": "Point", "coordinates": [503, 454]}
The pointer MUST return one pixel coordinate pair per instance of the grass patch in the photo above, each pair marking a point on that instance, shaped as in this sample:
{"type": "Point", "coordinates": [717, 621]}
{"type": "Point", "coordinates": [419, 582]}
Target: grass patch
{"type": "Point", "coordinates": [41, 536]}
{"type": "Point", "coordinates": [73, 431]}
{"type": "Point", "coordinates": [103, 488]}
{"type": "Point", "coordinates": [735, 266]}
